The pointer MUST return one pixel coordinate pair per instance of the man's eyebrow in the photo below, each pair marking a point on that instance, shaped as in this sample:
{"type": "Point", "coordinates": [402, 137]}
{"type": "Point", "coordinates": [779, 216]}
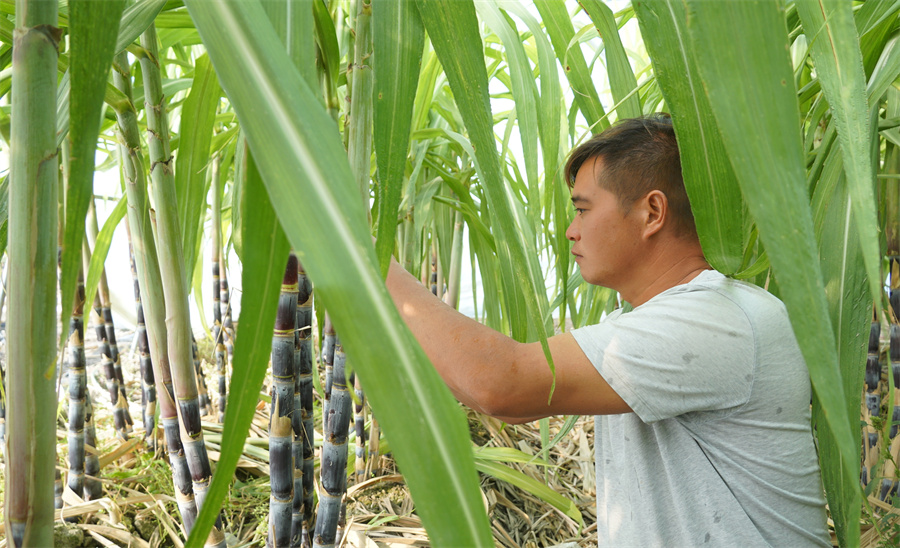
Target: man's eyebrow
{"type": "Point", "coordinates": [578, 199]}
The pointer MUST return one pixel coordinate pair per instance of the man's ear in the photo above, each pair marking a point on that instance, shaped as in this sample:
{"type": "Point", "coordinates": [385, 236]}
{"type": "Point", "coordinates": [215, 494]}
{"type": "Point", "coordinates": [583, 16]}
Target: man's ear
{"type": "Point", "coordinates": [656, 212]}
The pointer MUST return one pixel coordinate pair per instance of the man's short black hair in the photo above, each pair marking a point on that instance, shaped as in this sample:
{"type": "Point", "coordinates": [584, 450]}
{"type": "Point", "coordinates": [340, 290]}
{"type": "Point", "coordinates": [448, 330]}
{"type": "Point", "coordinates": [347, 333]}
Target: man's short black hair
{"type": "Point", "coordinates": [639, 155]}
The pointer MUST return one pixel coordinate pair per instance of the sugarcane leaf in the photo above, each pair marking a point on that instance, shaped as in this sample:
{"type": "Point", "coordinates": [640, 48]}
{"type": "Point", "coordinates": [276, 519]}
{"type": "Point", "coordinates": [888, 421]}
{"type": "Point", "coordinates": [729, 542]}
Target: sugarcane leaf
{"type": "Point", "coordinates": [263, 270]}
{"type": "Point", "coordinates": [398, 38]}
{"type": "Point", "coordinates": [524, 94]}
{"type": "Point", "coordinates": [740, 42]}
{"type": "Point", "coordinates": [559, 27]}
{"type": "Point", "coordinates": [549, 122]}
{"type": "Point", "coordinates": [708, 176]}
{"type": "Point", "coordinates": [191, 165]}
{"type": "Point", "coordinates": [101, 249]}
{"type": "Point", "coordinates": [886, 70]}
{"type": "Point", "coordinates": [453, 29]}
{"type": "Point", "coordinates": [871, 14]}
{"type": "Point", "coordinates": [508, 454]}
{"type": "Point", "coordinates": [531, 485]}
{"type": "Point", "coordinates": [621, 77]}
{"type": "Point", "coordinates": [135, 20]}
{"type": "Point", "coordinates": [304, 166]}
{"type": "Point", "coordinates": [834, 47]}
{"type": "Point", "coordinates": [93, 27]}
{"type": "Point", "coordinates": [850, 307]}
{"type": "Point", "coordinates": [237, 191]}
{"type": "Point", "coordinates": [4, 213]}
{"type": "Point", "coordinates": [326, 38]}
{"type": "Point", "coordinates": [196, 284]}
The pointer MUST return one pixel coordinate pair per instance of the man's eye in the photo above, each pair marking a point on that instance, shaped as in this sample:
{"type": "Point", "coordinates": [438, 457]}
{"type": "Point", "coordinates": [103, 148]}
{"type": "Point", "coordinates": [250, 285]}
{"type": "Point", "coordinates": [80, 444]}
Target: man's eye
{"type": "Point", "coordinates": [579, 211]}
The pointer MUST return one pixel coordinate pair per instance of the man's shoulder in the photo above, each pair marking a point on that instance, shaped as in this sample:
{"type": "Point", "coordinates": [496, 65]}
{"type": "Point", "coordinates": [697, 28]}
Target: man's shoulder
{"type": "Point", "coordinates": [723, 293]}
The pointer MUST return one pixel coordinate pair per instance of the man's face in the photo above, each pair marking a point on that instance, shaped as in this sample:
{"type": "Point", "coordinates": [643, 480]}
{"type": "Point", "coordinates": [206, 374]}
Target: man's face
{"type": "Point", "coordinates": [605, 240]}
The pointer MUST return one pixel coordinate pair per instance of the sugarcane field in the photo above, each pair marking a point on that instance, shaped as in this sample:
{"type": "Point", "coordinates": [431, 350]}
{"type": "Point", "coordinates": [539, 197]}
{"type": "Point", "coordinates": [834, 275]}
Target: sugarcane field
{"type": "Point", "coordinates": [453, 273]}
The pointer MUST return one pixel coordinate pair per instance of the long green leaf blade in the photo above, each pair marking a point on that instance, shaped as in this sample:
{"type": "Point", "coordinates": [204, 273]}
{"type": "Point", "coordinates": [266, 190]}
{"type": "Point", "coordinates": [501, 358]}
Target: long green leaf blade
{"type": "Point", "coordinates": [559, 26]}
{"type": "Point", "coordinates": [398, 38]}
{"type": "Point", "coordinates": [524, 94]}
{"type": "Point", "coordinates": [304, 165]}
{"type": "Point", "coordinates": [93, 30]}
{"type": "Point", "coordinates": [708, 176]}
{"type": "Point", "coordinates": [101, 249]}
{"type": "Point", "coordinates": [850, 304]}
{"type": "Point", "coordinates": [622, 82]}
{"type": "Point", "coordinates": [135, 21]}
{"type": "Point", "coordinates": [198, 115]}
{"type": "Point", "coordinates": [834, 46]}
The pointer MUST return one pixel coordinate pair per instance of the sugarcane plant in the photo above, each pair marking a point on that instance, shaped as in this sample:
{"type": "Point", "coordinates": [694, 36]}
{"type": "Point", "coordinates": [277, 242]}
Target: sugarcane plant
{"type": "Point", "coordinates": [171, 267]}
{"type": "Point", "coordinates": [150, 284]}
{"type": "Point", "coordinates": [281, 463]}
{"type": "Point", "coordinates": [303, 421]}
{"type": "Point", "coordinates": [30, 452]}
{"type": "Point", "coordinates": [148, 381]}
{"type": "Point", "coordinates": [219, 333]}
{"type": "Point", "coordinates": [77, 392]}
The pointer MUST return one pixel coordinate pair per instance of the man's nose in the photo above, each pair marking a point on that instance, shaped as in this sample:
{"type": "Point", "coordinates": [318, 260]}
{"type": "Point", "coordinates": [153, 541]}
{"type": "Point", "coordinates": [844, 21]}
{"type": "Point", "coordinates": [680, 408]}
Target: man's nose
{"type": "Point", "coordinates": [572, 232]}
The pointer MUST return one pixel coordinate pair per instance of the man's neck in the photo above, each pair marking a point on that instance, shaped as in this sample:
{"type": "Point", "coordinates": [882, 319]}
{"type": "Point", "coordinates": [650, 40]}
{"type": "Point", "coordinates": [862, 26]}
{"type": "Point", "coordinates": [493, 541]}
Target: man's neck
{"type": "Point", "coordinates": [675, 266]}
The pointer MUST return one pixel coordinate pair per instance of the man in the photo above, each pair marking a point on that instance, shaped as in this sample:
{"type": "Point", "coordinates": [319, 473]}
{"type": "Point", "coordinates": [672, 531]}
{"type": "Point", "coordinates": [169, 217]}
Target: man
{"type": "Point", "coordinates": [701, 394]}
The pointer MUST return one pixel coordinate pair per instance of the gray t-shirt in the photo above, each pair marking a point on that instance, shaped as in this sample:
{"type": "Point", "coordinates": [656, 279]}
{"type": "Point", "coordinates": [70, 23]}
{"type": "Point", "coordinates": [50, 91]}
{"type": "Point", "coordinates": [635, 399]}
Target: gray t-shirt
{"type": "Point", "coordinates": [719, 449]}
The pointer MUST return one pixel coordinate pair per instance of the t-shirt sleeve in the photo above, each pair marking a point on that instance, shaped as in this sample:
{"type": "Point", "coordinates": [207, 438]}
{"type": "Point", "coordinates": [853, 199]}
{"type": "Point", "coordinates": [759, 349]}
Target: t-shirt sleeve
{"type": "Point", "coordinates": [682, 352]}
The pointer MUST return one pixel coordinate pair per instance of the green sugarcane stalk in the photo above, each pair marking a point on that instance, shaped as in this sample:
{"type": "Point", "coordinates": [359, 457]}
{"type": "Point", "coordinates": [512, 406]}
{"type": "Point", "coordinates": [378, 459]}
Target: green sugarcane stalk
{"type": "Point", "coordinates": [281, 463]}
{"type": "Point", "coordinates": [205, 401]}
{"type": "Point", "coordinates": [304, 436]}
{"type": "Point", "coordinates": [216, 260]}
{"type": "Point", "coordinates": [150, 286]}
{"type": "Point", "coordinates": [33, 222]}
{"type": "Point", "coordinates": [452, 296]}
{"type": "Point", "coordinates": [77, 390]}
{"type": "Point", "coordinates": [174, 281]}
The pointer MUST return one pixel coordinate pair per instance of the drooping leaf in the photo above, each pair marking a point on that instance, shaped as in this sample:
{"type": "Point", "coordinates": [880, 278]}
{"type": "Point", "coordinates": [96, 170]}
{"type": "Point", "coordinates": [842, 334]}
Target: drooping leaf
{"type": "Point", "coordinates": [398, 38]}
{"type": "Point", "coordinates": [708, 176]}
{"type": "Point", "coordinates": [135, 20]}
{"type": "Point", "coordinates": [453, 29]}
{"type": "Point", "coordinates": [525, 96]}
{"type": "Point", "coordinates": [622, 82]}
{"type": "Point", "coordinates": [834, 47]}
{"type": "Point", "coordinates": [192, 163]}
{"type": "Point", "coordinates": [93, 28]}
{"type": "Point", "coordinates": [559, 26]}
{"type": "Point", "coordinates": [101, 249]}
{"type": "Point", "coordinates": [303, 163]}
{"type": "Point", "coordinates": [531, 485]}
{"type": "Point", "coordinates": [850, 307]}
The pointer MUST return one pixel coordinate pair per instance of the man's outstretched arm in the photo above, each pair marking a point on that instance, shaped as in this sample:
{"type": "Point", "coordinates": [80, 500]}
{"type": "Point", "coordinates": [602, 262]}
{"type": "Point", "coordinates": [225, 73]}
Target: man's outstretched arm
{"type": "Point", "coordinates": [495, 374]}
